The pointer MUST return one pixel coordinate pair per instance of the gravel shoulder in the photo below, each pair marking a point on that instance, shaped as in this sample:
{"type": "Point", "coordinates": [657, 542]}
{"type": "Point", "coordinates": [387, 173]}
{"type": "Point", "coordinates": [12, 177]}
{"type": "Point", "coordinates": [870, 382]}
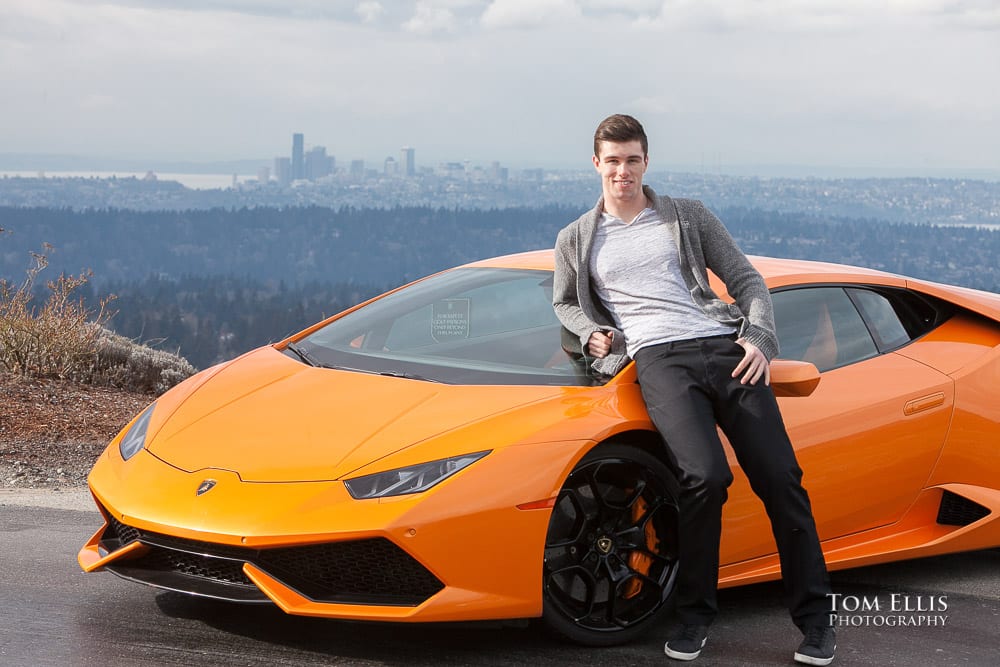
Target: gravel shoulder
{"type": "Point", "coordinates": [51, 433]}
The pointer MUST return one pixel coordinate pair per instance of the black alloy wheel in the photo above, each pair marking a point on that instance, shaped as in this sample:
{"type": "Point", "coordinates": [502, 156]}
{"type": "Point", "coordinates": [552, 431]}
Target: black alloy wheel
{"type": "Point", "coordinates": [611, 547]}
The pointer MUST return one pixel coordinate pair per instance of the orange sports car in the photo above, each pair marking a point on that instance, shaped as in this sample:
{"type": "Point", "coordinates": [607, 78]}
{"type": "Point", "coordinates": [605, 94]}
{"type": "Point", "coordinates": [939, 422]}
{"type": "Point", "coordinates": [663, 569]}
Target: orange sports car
{"type": "Point", "coordinates": [443, 453]}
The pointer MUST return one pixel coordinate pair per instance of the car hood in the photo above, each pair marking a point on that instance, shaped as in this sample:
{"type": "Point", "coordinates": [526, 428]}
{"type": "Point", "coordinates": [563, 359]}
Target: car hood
{"type": "Point", "coordinates": [270, 418]}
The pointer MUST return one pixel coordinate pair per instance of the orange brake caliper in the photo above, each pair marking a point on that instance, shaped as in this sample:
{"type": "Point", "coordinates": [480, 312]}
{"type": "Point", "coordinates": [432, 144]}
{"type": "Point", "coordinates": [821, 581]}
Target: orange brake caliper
{"type": "Point", "coordinates": [637, 560]}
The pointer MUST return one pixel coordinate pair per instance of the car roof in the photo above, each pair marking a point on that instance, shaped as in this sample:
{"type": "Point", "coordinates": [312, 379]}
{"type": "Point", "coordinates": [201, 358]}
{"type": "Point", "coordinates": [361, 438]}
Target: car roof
{"type": "Point", "coordinates": [779, 272]}
{"type": "Point", "coordinates": [534, 259]}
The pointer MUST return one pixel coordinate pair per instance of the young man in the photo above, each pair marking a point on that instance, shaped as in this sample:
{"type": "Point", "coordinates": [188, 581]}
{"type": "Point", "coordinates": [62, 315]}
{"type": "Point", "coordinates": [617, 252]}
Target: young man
{"type": "Point", "coordinates": [631, 282]}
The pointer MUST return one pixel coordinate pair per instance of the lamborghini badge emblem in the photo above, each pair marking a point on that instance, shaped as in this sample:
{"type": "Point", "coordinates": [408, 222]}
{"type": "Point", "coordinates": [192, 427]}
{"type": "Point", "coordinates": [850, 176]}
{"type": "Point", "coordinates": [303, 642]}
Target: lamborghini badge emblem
{"type": "Point", "coordinates": [205, 486]}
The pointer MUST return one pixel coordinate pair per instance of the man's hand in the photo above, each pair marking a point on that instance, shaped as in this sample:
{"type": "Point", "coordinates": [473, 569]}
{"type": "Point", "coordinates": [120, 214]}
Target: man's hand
{"type": "Point", "coordinates": [754, 363]}
{"type": "Point", "coordinates": [599, 344]}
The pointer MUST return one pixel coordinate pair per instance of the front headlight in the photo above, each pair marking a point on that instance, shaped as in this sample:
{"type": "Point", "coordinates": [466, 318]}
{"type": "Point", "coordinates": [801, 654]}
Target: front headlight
{"type": "Point", "coordinates": [412, 479]}
{"type": "Point", "coordinates": [135, 439]}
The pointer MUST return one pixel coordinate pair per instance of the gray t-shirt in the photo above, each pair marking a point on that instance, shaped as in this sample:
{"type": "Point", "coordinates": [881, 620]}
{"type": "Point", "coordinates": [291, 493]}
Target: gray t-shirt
{"type": "Point", "coordinates": [635, 272]}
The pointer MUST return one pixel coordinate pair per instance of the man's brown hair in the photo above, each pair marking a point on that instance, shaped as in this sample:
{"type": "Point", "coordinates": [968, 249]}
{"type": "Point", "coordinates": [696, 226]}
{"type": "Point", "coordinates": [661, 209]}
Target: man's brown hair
{"type": "Point", "coordinates": [620, 129]}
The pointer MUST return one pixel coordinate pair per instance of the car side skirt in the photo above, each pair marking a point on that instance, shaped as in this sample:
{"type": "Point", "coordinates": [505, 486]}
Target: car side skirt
{"type": "Point", "coordinates": [917, 534]}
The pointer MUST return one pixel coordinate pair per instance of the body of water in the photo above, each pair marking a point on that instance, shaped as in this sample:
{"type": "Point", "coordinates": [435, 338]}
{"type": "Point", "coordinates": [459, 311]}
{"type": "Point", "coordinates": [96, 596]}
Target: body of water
{"type": "Point", "coordinates": [193, 181]}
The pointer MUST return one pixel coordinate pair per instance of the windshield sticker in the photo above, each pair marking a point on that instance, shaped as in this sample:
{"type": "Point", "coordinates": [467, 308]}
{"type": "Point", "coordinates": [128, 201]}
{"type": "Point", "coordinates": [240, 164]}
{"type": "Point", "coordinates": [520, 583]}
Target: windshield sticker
{"type": "Point", "coordinates": [450, 320]}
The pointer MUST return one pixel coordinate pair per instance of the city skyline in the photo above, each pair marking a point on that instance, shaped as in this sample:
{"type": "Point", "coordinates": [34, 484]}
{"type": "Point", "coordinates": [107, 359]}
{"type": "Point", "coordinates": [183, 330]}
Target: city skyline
{"type": "Point", "coordinates": [721, 86]}
{"type": "Point", "coordinates": [307, 161]}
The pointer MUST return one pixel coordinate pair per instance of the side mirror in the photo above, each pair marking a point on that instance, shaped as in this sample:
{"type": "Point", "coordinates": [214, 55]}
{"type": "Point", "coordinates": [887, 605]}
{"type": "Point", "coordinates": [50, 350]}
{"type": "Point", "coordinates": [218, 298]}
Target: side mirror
{"type": "Point", "coordinates": [793, 378]}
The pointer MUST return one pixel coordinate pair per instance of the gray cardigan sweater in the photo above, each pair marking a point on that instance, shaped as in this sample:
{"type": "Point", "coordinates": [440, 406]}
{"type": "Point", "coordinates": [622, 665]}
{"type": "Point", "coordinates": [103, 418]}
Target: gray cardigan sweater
{"type": "Point", "coordinates": [703, 243]}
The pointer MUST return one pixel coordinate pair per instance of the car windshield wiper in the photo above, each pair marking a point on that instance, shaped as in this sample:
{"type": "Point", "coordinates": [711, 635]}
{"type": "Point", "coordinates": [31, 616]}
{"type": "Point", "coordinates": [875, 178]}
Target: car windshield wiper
{"type": "Point", "coordinates": [309, 359]}
{"type": "Point", "coordinates": [407, 376]}
{"type": "Point", "coordinates": [391, 374]}
{"type": "Point", "coordinates": [305, 356]}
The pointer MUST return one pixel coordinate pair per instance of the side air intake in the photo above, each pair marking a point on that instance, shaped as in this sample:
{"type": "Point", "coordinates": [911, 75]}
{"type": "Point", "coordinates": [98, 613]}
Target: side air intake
{"type": "Point", "coordinates": [956, 510]}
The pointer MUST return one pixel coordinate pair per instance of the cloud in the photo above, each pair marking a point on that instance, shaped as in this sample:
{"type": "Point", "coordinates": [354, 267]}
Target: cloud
{"type": "Point", "coordinates": [507, 14]}
{"type": "Point", "coordinates": [633, 8]}
{"type": "Point", "coordinates": [971, 14]}
{"type": "Point", "coordinates": [303, 9]}
{"type": "Point", "coordinates": [431, 18]}
{"type": "Point", "coordinates": [815, 15]}
{"type": "Point", "coordinates": [758, 15]}
{"type": "Point", "coordinates": [755, 80]}
{"type": "Point", "coordinates": [369, 11]}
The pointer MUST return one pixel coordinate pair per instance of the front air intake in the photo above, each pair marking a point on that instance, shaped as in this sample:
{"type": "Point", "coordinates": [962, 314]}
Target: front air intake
{"type": "Point", "coordinates": [372, 571]}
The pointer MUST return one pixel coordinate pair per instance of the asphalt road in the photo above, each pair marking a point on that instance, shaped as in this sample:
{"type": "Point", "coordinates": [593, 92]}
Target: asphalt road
{"type": "Point", "coordinates": [53, 614]}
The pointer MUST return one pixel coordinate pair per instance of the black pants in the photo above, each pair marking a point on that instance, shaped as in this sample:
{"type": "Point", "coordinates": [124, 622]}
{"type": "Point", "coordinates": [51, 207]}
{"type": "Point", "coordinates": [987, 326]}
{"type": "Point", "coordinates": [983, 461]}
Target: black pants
{"type": "Point", "coordinates": [688, 389]}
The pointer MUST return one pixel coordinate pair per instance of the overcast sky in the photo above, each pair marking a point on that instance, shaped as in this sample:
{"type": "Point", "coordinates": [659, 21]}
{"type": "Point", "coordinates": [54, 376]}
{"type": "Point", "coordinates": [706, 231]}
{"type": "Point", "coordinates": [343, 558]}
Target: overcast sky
{"type": "Point", "coordinates": [866, 84]}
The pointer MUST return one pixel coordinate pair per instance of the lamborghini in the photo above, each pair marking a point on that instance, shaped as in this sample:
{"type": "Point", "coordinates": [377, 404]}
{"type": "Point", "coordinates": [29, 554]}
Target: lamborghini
{"type": "Point", "coordinates": [444, 452]}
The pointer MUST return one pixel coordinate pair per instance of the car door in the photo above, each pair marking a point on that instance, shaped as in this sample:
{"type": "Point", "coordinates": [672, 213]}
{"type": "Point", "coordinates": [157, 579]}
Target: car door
{"type": "Point", "coordinates": [868, 436]}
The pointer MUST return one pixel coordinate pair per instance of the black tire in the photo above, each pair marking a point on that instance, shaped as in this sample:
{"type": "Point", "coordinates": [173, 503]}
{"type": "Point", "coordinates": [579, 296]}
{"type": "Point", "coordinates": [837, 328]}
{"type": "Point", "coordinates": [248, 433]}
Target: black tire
{"type": "Point", "coordinates": [611, 547]}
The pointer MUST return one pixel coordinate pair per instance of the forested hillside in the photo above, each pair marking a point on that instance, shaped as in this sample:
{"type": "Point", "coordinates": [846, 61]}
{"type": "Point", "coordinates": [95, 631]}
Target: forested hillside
{"type": "Point", "coordinates": [215, 283]}
{"type": "Point", "coordinates": [297, 245]}
{"type": "Point", "coordinates": [212, 318]}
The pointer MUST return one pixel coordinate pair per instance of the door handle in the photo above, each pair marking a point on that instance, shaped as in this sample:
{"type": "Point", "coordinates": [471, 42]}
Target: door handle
{"type": "Point", "coordinates": [923, 403]}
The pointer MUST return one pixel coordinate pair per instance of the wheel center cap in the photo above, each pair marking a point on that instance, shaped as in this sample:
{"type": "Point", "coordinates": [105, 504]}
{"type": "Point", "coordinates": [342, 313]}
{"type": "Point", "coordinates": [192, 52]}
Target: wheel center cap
{"type": "Point", "coordinates": [604, 545]}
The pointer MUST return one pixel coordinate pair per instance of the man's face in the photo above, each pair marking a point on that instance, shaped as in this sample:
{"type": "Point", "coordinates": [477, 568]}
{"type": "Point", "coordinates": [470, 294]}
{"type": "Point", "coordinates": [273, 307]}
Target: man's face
{"type": "Point", "coordinates": [621, 166]}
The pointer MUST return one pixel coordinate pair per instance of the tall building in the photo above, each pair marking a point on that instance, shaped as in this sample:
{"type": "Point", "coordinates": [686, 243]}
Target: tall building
{"type": "Point", "coordinates": [283, 171]}
{"type": "Point", "coordinates": [318, 163]}
{"type": "Point", "coordinates": [533, 175]}
{"type": "Point", "coordinates": [497, 173]}
{"type": "Point", "coordinates": [298, 157]}
{"type": "Point", "coordinates": [453, 170]}
{"type": "Point", "coordinates": [357, 169]}
{"type": "Point", "coordinates": [408, 164]}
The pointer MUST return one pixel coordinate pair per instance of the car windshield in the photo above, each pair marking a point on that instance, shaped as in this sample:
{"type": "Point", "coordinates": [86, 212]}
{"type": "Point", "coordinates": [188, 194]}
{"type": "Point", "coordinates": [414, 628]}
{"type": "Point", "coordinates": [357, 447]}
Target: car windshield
{"type": "Point", "coordinates": [464, 326]}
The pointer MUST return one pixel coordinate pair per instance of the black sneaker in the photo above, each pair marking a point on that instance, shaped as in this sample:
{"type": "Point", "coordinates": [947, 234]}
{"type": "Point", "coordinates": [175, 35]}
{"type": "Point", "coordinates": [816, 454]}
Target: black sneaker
{"type": "Point", "coordinates": [817, 646]}
{"type": "Point", "coordinates": [688, 643]}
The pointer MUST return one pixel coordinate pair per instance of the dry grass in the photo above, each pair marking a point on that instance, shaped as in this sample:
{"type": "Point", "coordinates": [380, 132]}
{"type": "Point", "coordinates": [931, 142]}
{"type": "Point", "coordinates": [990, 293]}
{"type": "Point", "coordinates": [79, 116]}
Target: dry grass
{"type": "Point", "coordinates": [64, 339]}
{"type": "Point", "coordinates": [56, 339]}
